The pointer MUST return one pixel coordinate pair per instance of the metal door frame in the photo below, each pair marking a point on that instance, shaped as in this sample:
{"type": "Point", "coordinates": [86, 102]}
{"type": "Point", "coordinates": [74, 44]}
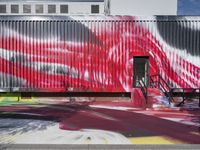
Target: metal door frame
{"type": "Point", "coordinates": [146, 57]}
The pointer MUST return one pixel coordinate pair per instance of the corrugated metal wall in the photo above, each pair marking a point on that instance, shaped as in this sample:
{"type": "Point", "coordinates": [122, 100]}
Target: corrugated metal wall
{"type": "Point", "coordinates": [95, 54]}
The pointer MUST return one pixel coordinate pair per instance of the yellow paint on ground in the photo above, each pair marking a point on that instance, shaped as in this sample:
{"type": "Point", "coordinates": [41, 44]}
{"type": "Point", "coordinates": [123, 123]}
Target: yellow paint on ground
{"type": "Point", "coordinates": [154, 140]}
{"type": "Point", "coordinates": [16, 99]}
{"type": "Point", "coordinates": [31, 100]}
{"type": "Point", "coordinates": [7, 98]}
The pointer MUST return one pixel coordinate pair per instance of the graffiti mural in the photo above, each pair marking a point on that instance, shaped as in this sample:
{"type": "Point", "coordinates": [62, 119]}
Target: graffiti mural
{"type": "Point", "coordinates": [96, 53]}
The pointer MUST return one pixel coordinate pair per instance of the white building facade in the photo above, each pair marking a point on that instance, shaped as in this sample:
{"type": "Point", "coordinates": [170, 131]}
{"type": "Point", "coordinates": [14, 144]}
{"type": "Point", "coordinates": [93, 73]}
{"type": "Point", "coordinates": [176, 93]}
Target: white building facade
{"type": "Point", "coordinates": [143, 7]}
{"type": "Point", "coordinates": [88, 7]}
{"type": "Point", "coordinates": [52, 7]}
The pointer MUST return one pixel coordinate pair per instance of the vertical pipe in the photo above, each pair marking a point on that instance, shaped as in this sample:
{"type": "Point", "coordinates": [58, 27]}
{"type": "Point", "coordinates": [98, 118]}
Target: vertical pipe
{"type": "Point", "coordinates": [80, 86]}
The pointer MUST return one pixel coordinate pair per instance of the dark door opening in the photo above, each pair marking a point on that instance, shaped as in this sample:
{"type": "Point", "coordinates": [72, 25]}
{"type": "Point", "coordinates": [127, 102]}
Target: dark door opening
{"type": "Point", "coordinates": [141, 71]}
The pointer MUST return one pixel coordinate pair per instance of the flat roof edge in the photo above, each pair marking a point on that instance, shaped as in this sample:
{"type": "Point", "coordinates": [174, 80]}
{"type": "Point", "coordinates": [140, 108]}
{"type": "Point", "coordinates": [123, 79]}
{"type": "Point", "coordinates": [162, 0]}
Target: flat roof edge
{"type": "Point", "coordinates": [97, 18]}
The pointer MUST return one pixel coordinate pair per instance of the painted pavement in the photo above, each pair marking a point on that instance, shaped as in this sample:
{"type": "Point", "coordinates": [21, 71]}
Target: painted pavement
{"type": "Point", "coordinates": [48, 121]}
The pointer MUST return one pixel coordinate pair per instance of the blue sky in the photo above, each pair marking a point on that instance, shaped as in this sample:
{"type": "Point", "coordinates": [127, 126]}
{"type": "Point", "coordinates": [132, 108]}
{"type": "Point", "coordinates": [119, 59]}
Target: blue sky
{"type": "Point", "coordinates": [188, 7]}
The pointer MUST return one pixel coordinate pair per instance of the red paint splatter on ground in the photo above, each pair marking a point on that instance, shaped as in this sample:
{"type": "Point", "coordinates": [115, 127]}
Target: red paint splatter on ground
{"type": "Point", "coordinates": [118, 117]}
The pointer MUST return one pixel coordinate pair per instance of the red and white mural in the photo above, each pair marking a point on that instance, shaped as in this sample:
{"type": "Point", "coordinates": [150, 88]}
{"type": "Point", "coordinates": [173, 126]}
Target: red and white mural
{"type": "Point", "coordinates": [96, 53]}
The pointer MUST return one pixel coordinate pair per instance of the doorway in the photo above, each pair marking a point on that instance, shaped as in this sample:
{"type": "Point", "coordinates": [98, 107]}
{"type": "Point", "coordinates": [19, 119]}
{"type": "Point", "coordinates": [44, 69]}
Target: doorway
{"type": "Point", "coordinates": [141, 71]}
